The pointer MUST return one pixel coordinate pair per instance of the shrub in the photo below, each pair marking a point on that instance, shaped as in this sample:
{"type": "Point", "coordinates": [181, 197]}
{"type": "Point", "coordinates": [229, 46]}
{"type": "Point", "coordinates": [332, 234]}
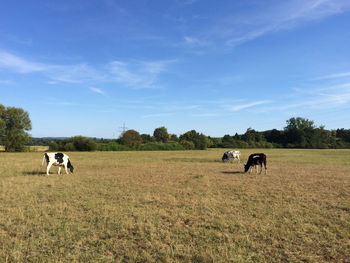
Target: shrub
{"type": "Point", "coordinates": [161, 147]}
{"type": "Point", "coordinates": [112, 146]}
{"type": "Point", "coordinates": [187, 144]}
{"type": "Point", "coordinates": [77, 143]}
{"type": "Point", "coordinates": [69, 147]}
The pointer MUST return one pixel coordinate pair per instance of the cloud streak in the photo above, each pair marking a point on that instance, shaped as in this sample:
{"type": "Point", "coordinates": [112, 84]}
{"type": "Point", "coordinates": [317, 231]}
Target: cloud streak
{"type": "Point", "coordinates": [248, 105]}
{"type": "Point", "coordinates": [134, 74]}
{"type": "Point", "coordinates": [19, 65]}
{"type": "Point", "coordinates": [334, 76]}
{"type": "Point", "coordinates": [286, 16]}
{"type": "Point", "coordinates": [139, 74]}
{"type": "Point", "coordinates": [235, 29]}
{"type": "Point", "coordinates": [98, 91]}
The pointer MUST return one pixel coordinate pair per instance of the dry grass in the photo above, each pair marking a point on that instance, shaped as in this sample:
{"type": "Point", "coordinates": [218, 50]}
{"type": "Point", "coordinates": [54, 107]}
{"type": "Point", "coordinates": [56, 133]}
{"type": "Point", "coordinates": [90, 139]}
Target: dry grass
{"type": "Point", "coordinates": [179, 206]}
{"type": "Point", "coordinates": [38, 148]}
{"type": "Point", "coordinates": [30, 148]}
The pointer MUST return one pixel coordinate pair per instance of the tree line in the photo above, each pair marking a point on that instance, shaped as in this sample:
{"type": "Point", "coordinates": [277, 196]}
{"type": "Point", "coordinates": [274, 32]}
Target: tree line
{"type": "Point", "coordinates": [298, 133]}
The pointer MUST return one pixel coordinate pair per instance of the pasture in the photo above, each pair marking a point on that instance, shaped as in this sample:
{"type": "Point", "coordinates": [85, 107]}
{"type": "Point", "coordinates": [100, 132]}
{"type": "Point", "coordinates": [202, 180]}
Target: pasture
{"type": "Point", "coordinates": [176, 206]}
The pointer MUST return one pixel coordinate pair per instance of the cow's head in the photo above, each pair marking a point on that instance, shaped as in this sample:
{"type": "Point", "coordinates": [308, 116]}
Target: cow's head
{"type": "Point", "coordinates": [246, 167]}
{"type": "Point", "coordinates": [225, 157]}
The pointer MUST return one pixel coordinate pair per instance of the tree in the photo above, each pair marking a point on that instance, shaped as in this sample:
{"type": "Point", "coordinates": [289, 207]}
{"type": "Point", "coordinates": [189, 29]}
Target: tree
{"type": "Point", "coordinates": [146, 138]}
{"type": "Point", "coordinates": [14, 122]}
{"type": "Point", "coordinates": [298, 132]}
{"type": "Point", "coordinates": [80, 143]}
{"type": "Point", "coordinates": [228, 141]}
{"type": "Point", "coordinates": [173, 138]}
{"type": "Point", "coordinates": [200, 141]}
{"type": "Point", "coordinates": [274, 136]}
{"type": "Point", "coordinates": [343, 134]}
{"type": "Point", "coordinates": [161, 134]}
{"type": "Point", "coordinates": [2, 122]}
{"type": "Point", "coordinates": [131, 138]}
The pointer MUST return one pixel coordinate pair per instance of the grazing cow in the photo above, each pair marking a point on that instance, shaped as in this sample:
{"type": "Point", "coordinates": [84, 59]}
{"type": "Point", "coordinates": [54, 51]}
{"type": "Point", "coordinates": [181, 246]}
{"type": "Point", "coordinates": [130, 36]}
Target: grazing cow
{"type": "Point", "coordinates": [231, 154]}
{"type": "Point", "coordinates": [57, 159]}
{"type": "Point", "coordinates": [256, 159]}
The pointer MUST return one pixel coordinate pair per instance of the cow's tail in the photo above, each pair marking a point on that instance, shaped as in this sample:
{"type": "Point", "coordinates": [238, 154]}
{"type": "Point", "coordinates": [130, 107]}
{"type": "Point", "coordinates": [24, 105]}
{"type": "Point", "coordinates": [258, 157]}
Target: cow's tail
{"type": "Point", "coordinates": [44, 158]}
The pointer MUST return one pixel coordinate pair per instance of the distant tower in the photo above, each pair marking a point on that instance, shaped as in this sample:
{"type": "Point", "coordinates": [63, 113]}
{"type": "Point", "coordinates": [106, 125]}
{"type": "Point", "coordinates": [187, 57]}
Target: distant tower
{"type": "Point", "coordinates": [122, 129]}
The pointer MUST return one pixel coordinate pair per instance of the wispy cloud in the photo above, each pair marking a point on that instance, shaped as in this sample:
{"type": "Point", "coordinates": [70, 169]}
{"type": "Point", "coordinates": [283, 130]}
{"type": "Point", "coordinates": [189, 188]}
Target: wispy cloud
{"type": "Point", "coordinates": [20, 65]}
{"type": "Point", "coordinates": [157, 115]}
{"type": "Point", "coordinates": [333, 76]}
{"type": "Point", "coordinates": [204, 115]}
{"type": "Point", "coordinates": [139, 74]}
{"type": "Point", "coordinates": [186, 2]}
{"type": "Point", "coordinates": [195, 42]}
{"type": "Point", "coordinates": [134, 74]}
{"type": "Point", "coordinates": [286, 15]}
{"type": "Point", "coordinates": [327, 97]}
{"type": "Point", "coordinates": [77, 73]}
{"type": "Point", "coordinates": [232, 28]}
{"type": "Point", "coordinates": [247, 105]}
{"type": "Point", "coordinates": [6, 81]}
{"type": "Point", "coordinates": [97, 90]}
{"type": "Point", "coordinates": [64, 73]}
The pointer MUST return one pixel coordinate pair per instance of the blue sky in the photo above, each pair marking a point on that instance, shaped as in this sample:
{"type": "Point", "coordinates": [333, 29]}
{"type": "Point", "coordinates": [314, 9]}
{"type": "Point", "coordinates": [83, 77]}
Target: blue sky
{"type": "Point", "coordinates": [219, 67]}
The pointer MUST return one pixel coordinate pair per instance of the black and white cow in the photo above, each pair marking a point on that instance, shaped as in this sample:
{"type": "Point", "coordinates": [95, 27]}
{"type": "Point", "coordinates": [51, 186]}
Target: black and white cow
{"type": "Point", "coordinates": [256, 159]}
{"type": "Point", "coordinates": [57, 159]}
{"type": "Point", "coordinates": [231, 154]}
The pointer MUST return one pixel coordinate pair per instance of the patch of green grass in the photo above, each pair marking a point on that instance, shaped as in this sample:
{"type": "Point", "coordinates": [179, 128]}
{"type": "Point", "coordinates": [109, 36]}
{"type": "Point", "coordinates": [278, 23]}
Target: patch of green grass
{"type": "Point", "coordinates": [182, 206]}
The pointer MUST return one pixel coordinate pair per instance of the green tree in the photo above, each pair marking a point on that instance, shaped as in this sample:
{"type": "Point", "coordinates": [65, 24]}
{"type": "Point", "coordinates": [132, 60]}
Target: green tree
{"type": "Point", "coordinates": [187, 144]}
{"type": "Point", "coordinates": [161, 134]}
{"type": "Point", "coordinates": [14, 122]}
{"type": "Point", "coordinates": [343, 134]}
{"type": "Point", "coordinates": [216, 142]}
{"type": "Point", "coordinates": [200, 141]}
{"type": "Point", "coordinates": [299, 132]}
{"type": "Point", "coordinates": [146, 138]}
{"type": "Point", "coordinates": [81, 143]}
{"type": "Point", "coordinates": [274, 136]}
{"type": "Point", "coordinates": [173, 138]}
{"type": "Point", "coordinates": [2, 123]}
{"type": "Point", "coordinates": [228, 141]}
{"type": "Point", "coordinates": [131, 138]}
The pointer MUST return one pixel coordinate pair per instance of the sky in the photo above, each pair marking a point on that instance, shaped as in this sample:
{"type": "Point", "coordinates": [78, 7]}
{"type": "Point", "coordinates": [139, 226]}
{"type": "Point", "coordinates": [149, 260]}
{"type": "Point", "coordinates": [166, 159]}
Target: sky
{"type": "Point", "coordinates": [84, 67]}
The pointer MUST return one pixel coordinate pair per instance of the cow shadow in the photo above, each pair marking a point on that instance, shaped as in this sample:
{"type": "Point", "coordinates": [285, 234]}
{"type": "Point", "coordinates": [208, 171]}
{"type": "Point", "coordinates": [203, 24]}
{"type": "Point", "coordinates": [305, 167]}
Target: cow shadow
{"type": "Point", "coordinates": [232, 172]}
{"type": "Point", "coordinates": [28, 173]}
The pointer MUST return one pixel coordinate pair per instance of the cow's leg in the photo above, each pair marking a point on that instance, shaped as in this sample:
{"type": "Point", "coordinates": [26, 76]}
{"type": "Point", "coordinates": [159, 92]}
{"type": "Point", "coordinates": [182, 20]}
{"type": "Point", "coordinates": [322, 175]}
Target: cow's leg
{"type": "Point", "coordinates": [48, 168]}
{"type": "Point", "coordinates": [260, 168]}
{"type": "Point", "coordinates": [256, 168]}
{"type": "Point", "coordinates": [65, 167]}
{"type": "Point", "coordinates": [239, 160]}
{"type": "Point", "coordinates": [59, 169]}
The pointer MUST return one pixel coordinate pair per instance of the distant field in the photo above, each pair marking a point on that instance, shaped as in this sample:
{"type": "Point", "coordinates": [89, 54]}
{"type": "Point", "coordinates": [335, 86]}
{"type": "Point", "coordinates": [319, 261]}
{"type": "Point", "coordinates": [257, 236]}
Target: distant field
{"type": "Point", "coordinates": [31, 148]}
{"type": "Point", "coordinates": [176, 206]}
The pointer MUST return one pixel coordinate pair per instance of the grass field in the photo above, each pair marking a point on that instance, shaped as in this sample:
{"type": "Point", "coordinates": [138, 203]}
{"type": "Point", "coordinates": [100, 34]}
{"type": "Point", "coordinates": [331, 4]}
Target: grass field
{"type": "Point", "coordinates": [178, 206]}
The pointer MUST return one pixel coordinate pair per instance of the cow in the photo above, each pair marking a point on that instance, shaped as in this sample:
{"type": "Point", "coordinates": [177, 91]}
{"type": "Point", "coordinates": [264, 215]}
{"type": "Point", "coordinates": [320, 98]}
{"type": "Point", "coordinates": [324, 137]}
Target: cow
{"type": "Point", "coordinates": [57, 159]}
{"type": "Point", "coordinates": [255, 159]}
{"type": "Point", "coordinates": [231, 154]}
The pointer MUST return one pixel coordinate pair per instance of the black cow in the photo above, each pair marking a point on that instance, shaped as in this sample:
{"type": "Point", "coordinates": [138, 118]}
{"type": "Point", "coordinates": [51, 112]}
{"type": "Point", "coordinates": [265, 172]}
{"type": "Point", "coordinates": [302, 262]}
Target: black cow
{"type": "Point", "coordinates": [256, 159]}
